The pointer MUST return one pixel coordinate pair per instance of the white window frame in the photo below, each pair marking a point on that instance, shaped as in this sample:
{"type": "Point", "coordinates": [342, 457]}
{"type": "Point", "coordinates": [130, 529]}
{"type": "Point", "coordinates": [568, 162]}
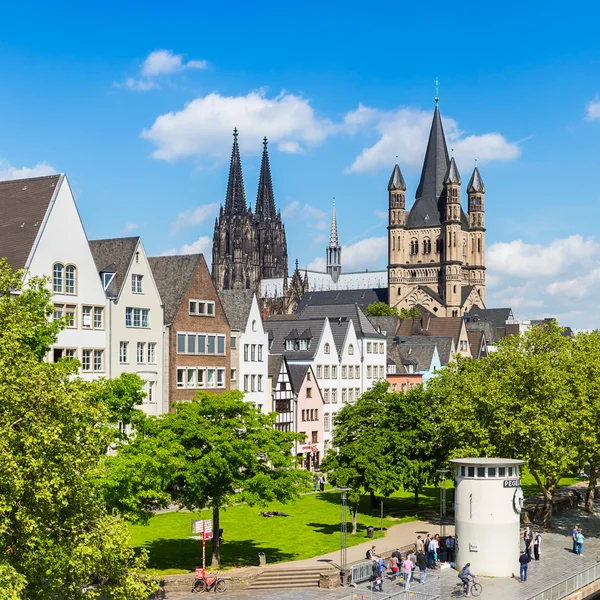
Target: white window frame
{"type": "Point", "coordinates": [201, 308]}
{"type": "Point", "coordinates": [137, 286]}
{"type": "Point", "coordinates": [142, 314]}
{"type": "Point", "coordinates": [151, 353]}
{"type": "Point", "coordinates": [140, 353]}
{"type": "Point", "coordinates": [123, 353]}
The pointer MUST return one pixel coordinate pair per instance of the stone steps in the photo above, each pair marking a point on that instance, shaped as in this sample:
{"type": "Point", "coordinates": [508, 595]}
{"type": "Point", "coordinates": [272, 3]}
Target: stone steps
{"type": "Point", "coordinates": [308, 577]}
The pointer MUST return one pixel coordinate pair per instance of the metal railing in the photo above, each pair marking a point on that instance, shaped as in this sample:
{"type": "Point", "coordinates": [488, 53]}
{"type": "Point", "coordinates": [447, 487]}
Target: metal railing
{"type": "Point", "coordinates": [567, 586]}
{"type": "Point", "coordinates": [402, 595]}
{"type": "Point", "coordinates": [360, 572]}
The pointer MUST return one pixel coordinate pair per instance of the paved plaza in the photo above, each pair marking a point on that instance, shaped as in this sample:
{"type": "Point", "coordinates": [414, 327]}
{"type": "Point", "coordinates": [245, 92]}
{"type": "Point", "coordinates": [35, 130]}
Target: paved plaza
{"type": "Point", "coordinates": [557, 563]}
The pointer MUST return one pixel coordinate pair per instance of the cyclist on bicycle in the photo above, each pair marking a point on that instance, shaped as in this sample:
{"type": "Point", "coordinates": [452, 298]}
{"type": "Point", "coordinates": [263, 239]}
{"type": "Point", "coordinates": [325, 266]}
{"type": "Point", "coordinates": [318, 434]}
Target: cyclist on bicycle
{"type": "Point", "coordinates": [466, 577]}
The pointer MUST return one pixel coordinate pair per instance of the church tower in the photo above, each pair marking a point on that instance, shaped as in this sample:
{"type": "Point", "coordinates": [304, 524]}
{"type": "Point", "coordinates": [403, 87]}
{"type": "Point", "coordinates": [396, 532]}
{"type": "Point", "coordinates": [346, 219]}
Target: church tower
{"type": "Point", "coordinates": [436, 254]}
{"type": "Point", "coordinates": [334, 251]}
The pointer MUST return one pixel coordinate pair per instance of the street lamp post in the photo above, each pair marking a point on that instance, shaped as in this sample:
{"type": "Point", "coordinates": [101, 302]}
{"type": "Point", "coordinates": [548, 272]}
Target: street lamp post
{"type": "Point", "coordinates": [343, 533]}
{"type": "Point", "coordinates": [443, 473]}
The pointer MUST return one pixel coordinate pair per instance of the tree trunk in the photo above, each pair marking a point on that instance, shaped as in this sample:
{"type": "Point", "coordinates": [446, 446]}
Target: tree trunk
{"type": "Point", "coordinates": [354, 519]}
{"type": "Point", "coordinates": [589, 497]}
{"type": "Point", "coordinates": [548, 492]}
{"type": "Point", "coordinates": [416, 498]}
{"type": "Point", "coordinates": [216, 543]}
{"type": "Point", "coordinates": [374, 503]}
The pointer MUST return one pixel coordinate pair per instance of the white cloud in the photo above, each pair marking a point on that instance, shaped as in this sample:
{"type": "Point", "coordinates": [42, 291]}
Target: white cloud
{"type": "Point", "coordinates": [381, 214]}
{"type": "Point", "coordinates": [404, 133]}
{"type": "Point", "coordinates": [164, 62]}
{"type": "Point", "coordinates": [203, 245]}
{"type": "Point", "coordinates": [41, 169]}
{"type": "Point", "coordinates": [159, 63]}
{"type": "Point", "coordinates": [318, 264]}
{"type": "Point", "coordinates": [369, 253]}
{"type": "Point", "coordinates": [592, 110]}
{"type": "Point", "coordinates": [129, 228]}
{"type": "Point", "coordinates": [203, 126]}
{"type": "Point", "coordinates": [290, 209]}
{"type": "Point", "coordinates": [194, 216]}
{"type": "Point", "coordinates": [539, 281]}
{"type": "Point", "coordinates": [311, 212]}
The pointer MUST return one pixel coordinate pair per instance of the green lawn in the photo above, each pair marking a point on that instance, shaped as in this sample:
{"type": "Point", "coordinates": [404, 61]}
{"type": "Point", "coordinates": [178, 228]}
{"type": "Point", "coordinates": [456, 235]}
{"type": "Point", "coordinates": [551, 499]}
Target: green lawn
{"type": "Point", "coordinates": [311, 530]}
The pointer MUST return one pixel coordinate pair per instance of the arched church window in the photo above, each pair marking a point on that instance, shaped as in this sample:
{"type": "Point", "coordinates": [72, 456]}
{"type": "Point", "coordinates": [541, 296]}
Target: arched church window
{"type": "Point", "coordinates": [478, 244]}
{"type": "Point", "coordinates": [454, 239]}
{"type": "Point", "coordinates": [393, 243]}
{"type": "Point", "coordinates": [426, 246]}
{"type": "Point", "coordinates": [393, 216]}
{"type": "Point", "coordinates": [438, 245]}
{"type": "Point", "coordinates": [399, 292]}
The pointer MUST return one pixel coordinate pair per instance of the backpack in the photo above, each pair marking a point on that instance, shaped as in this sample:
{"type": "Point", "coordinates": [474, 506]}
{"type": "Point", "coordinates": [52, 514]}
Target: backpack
{"type": "Point", "coordinates": [368, 555]}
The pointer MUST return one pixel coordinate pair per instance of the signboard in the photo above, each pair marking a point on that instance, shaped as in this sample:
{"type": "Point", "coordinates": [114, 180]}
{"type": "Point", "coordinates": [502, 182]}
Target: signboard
{"type": "Point", "coordinates": [204, 527]}
{"type": "Point", "coordinates": [309, 449]}
{"type": "Point", "coordinates": [512, 483]}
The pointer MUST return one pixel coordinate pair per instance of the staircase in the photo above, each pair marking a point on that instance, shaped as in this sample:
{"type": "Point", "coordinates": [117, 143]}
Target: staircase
{"type": "Point", "coordinates": [274, 579]}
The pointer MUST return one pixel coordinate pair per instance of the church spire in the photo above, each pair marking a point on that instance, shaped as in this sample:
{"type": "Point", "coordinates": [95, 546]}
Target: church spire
{"type": "Point", "coordinates": [334, 251]}
{"type": "Point", "coordinates": [235, 200]}
{"type": "Point", "coordinates": [265, 200]}
{"type": "Point", "coordinates": [333, 236]}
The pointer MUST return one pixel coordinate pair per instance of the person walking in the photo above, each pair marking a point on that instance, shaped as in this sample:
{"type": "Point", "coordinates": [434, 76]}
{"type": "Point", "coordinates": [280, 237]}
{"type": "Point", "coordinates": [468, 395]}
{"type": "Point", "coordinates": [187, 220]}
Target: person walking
{"type": "Point", "coordinates": [580, 539]}
{"type": "Point", "coordinates": [315, 483]}
{"type": "Point", "coordinates": [537, 545]}
{"type": "Point", "coordinates": [394, 564]}
{"type": "Point", "coordinates": [450, 549]}
{"type": "Point", "coordinates": [420, 546]}
{"type": "Point", "coordinates": [407, 569]}
{"type": "Point", "coordinates": [432, 552]}
{"type": "Point", "coordinates": [377, 580]}
{"type": "Point", "coordinates": [574, 533]}
{"type": "Point", "coordinates": [322, 483]}
{"type": "Point", "coordinates": [524, 560]}
{"type": "Point", "coordinates": [422, 564]}
{"type": "Point", "coordinates": [397, 554]}
{"type": "Point", "coordinates": [527, 539]}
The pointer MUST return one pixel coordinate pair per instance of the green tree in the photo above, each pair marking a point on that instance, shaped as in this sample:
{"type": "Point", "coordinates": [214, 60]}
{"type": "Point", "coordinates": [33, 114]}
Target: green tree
{"type": "Point", "coordinates": [55, 532]}
{"type": "Point", "coordinates": [209, 453]}
{"type": "Point", "coordinates": [410, 313]}
{"type": "Point", "coordinates": [380, 309]}
{"type": "Point", "coordinates": [516, 403]}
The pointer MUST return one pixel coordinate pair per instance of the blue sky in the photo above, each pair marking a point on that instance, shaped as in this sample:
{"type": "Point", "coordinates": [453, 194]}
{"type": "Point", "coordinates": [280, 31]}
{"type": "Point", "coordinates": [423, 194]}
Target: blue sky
{"type": "Point", "coordinates": [340, 89]}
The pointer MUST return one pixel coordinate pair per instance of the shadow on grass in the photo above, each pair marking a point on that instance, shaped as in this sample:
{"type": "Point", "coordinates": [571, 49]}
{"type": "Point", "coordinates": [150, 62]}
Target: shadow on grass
{"type": "Point", "coordinates": [186, 555]}
{"type": "Point", "coordinates": [329, 529]}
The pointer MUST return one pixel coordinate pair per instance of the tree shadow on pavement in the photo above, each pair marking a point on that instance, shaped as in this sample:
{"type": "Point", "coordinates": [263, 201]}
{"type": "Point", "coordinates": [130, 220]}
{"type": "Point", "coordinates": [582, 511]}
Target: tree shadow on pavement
{"type": "Point", "coordinates": [186, 554]}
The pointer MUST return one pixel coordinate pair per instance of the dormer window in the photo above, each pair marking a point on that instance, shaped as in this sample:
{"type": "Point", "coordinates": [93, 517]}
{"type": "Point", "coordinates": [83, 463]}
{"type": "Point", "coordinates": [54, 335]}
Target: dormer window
{"type": "Point", "coordinates": [106, 279]}
{"type": "Point", "coordinates": [327, 349]}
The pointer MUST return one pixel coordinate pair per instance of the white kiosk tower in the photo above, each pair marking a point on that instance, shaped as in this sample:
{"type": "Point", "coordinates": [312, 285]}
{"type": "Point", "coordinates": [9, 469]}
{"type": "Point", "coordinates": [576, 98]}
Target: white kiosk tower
{"type": "Point", "coordinates": [488, 501]}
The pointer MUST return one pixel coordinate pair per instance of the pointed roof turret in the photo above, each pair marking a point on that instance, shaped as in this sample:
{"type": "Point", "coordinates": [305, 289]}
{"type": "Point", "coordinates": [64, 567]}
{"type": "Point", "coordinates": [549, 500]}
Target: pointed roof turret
{"type": "Point", "coordinates": [396, 180]}
{"type": "Point", "coordinates": [333, 236]}
{"type": "Point", "coordinates": [476, 183]}
{"type": "Point", "coordinates": [235, 200]}
{"type": "Point", "coordinates": [426, 209]}
{"type": "Point", "coordinates": [265, 200]}
{"type": "Point", "coordinates": [453, 175]}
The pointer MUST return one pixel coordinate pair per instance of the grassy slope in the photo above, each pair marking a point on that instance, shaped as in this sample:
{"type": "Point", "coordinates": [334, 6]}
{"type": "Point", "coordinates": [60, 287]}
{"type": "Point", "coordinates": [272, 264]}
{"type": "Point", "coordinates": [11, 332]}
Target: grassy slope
{"type": "Point", "coordinates": [310, 531]}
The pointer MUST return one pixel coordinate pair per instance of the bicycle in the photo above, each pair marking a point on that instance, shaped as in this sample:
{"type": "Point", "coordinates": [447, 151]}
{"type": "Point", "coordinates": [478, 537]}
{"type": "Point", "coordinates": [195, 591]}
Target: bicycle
{"type": "Point", "coordinates": [202, 583]}
{"type": "Point", "coordinates": [476, 588]}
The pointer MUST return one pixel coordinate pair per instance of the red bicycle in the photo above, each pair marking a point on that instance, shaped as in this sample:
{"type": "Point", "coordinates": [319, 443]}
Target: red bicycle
{"type": "Point", "coordinates": [202, 583]}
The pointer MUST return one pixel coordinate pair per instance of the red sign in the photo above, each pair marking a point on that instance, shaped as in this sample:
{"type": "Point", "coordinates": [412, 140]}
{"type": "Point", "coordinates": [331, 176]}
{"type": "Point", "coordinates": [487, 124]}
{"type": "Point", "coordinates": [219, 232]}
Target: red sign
{"type": "Point", "coordinates": [314, 449]}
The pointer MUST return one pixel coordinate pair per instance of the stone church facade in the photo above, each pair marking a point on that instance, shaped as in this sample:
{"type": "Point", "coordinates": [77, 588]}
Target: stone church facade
{"type": "Point", "coordinates": [436, 252]}
{"type": "Point", "coordinates": [248, 246]}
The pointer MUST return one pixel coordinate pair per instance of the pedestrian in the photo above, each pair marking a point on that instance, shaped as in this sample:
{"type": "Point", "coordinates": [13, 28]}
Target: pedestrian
{"type": "Point", "coordinates": [407, 569]}
{"type": "Point", "coordinates": [426, 543]}
{"type": "Point", "coordinates": [413, 559]}
{"type": "Point", "coordinates": [315, 483]}
{"type": "Point", "coordinates": [322, 483]}
{"type": "Point", "coordinates": [574, 533]}
{"type": "Point", "coordinates": [377, 580]}
{"type": "Point", "coordinates": [527, 539]}
{"type": "Point", "coordinates": [450, 549]}
{"type": "Point", "coordinates": [524, 560]}
{"type": "Point", "coordinates": [422, 564]}
{"type": "Point", "coordinates": [432, 553]}
{"type": "Point", "coordinates": [371, 553]}
{"type": "Point", "coordinates": [537, 545]}
{"type": "Point", "coordinates": [580, 539]}
{"type": "Point", "coordinates": [420, 545]}
{"type": "Point", "coordinates": [397, 554]}
{"type": "Point", "coordinates": [394, 564]}
{"type": "Point", "coordinates": [382, 568]}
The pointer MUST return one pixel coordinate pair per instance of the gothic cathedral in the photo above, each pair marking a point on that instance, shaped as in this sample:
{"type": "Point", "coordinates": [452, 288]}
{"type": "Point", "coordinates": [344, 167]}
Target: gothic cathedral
{"type": "Point", "coordinates": [436, 252]}
{"type": "Point", "coordinates": [248, 247]}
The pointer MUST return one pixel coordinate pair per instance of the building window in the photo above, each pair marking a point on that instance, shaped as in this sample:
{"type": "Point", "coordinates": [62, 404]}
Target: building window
{"type": "Point", "coordinates": [333, 396]}
{"type": "Point", "coordinates": [315, 437]}
{"type": "Point", "coordinates": [381, 372]}
{"type": "Point", "coordinates": [404, 387]}
{"type": "Point", "coordinates": [350, 394]}
{"type": "Point", "coordinates": [151, 392]}
{"type": "Point", "coordinates": [180, 377]}
{"type": "Point", "coordinates": [326, 421]}
{"type": "Point", "coordinates": [98, 360]}
{"type": "Point", "coordinates": [66, 311]}
{"type": "Point", "coordinates": [246, 381]}
{"type": "Point", "coordinates": [327, 349]}
{"type": "Point", "coordinates": [326, 372]}
{"type": "Point", "coordinates": [344, 396]}
{"type": "Point", "coordinates": [260, 353]}
{"type": "Point", "coordinates": [333, 371]}
{"type": "Point", "coordinates": [350, 372]}
{"type": "Point", "coordinates": [309, 392]}
{"type": "Point", "coordinates": [137, 317]}
{"type": "Point", "coordinates": [426, 246]}
{"type": "Point", "coordinates": [260, 378]}
{"type": "Point", "coordinates": [136, 284]}
{"type": "Point", "coordinates": [151, 352]}
{"type": "Point", "coordinates": [491, 471]}
{"type": "Point", "coordinates": [253, 352]}
{"type": "Point", "coordinates": [58, 271]}
{"type": "Point", "coordinates": [201, 377]}
{"type": "Point", "coordinates": [221, 344]}
{"type": "Point", "coordinates": [381, 349]}
{"type": "Point", "coordinates": [480, 471]}
{"type": "Point", "coordinates": [357, 372]}
{"type": "Point", "coordinates": [86, 360]}
{"type": "Point", "coordinates": [319, 372]}
{"type": "Point", "coordinates": [470, 471]}
{"type": "Point", "coordinates": [141, 347]}
{"type": "Point", "coordinates": [368, 347]}
{"type": "Point", "coordinates": [246, 352]}
{"type": "Point", "coordinates": [98, 317]}
{"type": "Point", "coordinates": [123, 348]}
{"type": "Point", "coordinates": [233, 342]}
{"type": "Point", "coordinates": [202, 308]}
{"type": "Point", "coordinates": [221, 378]}
{"type": "Point", "coordinates": [181, 343]}
{"type": "Point", "coordinates": [70, 279]}
{"type": "Point", "coordinates": [375, 348]}
{"type": "Point", "coordinates": [326, 396]}
{"type": "Point", "coordinates": [357, 393]}
{"type": "Point", "coordinates": [350, 349]}
{"type": "Point", "coordinates": [210, 377]}
{"type": "Point", "coordinates": [86, 317]}
{"type": "Point", "coordinates": [344, 372]}
{"type": "Point", "coordinates": [233, 374]}
{"type": "Point", "coordinates": [253, 383]}
{"type": "Point", "coordinates": [368, 371]}
{"type": "Point", "coordinates": [253, 325]}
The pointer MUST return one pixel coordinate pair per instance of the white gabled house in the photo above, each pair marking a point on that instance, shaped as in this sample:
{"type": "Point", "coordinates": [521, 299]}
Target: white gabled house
{"type": "Point", "coordinates": [135, 316]}
{"type": "Point", "coordinates": [41, 231]}
{"type": "Point", "coordinates": [249, 347]}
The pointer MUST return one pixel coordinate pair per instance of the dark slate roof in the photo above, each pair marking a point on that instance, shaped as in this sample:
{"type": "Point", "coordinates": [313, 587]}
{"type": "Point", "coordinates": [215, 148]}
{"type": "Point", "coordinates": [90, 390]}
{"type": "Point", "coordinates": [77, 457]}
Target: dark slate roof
{"type": "Point", "coordinates": [23, 207]}
{"type": "Point", "coordinates": [497, 316]}
{"type": "Point", "coordinates": [389, 325]}
{"type": "Point", "coordinates": [173, 275]}
{"type": "Point", "coordinates": [476, 339]}
{"type": "Point", "coordinates": [396, 180]}
{"type": "Point", "coordinates": [275, 361]}
{"type": "Point", "coordinates": [297, 375]}
{"type": "Point", "coordinates": [465, 292]}
{"type": "Point", "coordinates": [114, 256]}
{"type": "Point", "coordinates": [492, 334]}
{"type": "Point", "coordinates": [443, 344]}
{"type": "Point", "coordinates": [420, 355]}
{"type": "Point", "coordinates": [335, 312]}
{"type": "Point", "coordinates": [476, 183]}
{"type": "Point", "coordinates": [237, 305]}
{"type": "Point", "coordinates": [453, 175]}
{"type": "Point", "coordinates": [361, 297]}
{"type": "Point", "coordinates": [339, 329]}
{"type": "Point", "coordinates": [280, 329]}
